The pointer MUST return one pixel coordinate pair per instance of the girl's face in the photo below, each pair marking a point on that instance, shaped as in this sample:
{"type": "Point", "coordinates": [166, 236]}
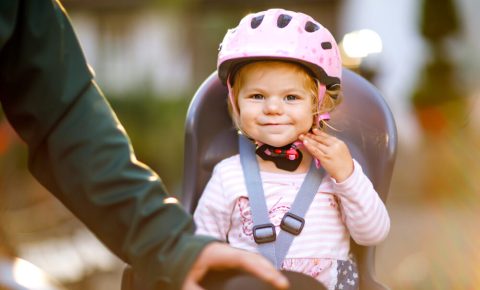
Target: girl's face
{"type": "Point", "coordinates": [274, 103]}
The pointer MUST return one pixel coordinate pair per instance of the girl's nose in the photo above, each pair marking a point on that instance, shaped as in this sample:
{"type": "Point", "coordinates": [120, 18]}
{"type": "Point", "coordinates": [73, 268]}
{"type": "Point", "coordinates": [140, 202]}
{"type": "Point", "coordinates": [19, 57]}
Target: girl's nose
{"type": "Point", "coordinates": [273, 106]}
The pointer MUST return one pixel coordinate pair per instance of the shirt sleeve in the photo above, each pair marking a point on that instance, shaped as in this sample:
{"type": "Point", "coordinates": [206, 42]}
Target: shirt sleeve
{"type": "Point", "coordinates": [79, 150]}
{"type": "Point", "coordinates": [212, 216]}
{"type": "Point", "coordinates": [364, 212]}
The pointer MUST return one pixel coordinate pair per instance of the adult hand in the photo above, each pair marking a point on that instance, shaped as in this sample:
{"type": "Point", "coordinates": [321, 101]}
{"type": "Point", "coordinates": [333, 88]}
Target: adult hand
{"type": "Point", "coordinates": [218, 256]}
{"type": "Point", "coordinates": [332, 153]}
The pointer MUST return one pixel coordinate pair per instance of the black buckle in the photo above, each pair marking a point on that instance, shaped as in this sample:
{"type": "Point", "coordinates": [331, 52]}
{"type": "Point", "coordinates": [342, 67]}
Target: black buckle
{"type": "Point", "coordinates": [292, 223]}
{"type": "Point", "coordinates": [264, 233]}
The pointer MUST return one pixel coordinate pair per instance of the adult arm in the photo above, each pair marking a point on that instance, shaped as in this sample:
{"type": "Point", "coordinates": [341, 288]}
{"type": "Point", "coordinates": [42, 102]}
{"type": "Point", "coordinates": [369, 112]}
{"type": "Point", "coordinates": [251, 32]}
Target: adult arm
{"type": "Point", "coordinates": [80, 152]}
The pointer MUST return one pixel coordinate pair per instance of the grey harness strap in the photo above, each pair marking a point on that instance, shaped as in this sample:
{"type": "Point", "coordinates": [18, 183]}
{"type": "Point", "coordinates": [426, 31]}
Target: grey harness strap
{"type": "Point", "coordinates": [263, 229]}
{"type": "Point", "coordinates": [292, 223]}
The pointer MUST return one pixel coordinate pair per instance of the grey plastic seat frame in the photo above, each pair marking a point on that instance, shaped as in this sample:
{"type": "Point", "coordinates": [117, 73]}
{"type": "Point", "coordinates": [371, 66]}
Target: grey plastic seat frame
{"type": "Point", "coordinates": [364, 121]}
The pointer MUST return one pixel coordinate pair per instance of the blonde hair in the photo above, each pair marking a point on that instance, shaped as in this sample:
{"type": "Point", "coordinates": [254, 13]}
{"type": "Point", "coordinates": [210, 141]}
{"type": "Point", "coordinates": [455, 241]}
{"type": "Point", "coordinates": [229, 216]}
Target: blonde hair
{"type": "Point", "coordinates": [330, 100]}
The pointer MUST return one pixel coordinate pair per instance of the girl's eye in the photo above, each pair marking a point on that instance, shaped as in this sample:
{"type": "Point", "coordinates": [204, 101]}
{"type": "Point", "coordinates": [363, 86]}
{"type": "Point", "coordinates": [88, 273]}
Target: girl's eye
{"type": "Point", "coordinates": [257, 97]}
{"type": "Point", "coordinates": [291, 98]}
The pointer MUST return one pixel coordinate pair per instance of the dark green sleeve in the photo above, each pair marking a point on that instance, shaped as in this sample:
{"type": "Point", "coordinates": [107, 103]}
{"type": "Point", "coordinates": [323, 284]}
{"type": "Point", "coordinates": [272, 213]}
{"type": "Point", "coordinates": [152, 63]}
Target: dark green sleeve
{"type": "Point", "coordinates": [78, 149]}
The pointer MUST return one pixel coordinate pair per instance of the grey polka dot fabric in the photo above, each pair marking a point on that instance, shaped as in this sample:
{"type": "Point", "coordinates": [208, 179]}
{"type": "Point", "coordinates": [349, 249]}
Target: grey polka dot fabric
{"type": "Point", "coordinates": [347, 275]}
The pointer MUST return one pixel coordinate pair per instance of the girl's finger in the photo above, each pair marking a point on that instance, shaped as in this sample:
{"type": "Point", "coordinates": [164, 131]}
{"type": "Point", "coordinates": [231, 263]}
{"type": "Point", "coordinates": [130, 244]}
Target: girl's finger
{"type": "Point", "coordinates": [322, 138]}
{"type": "Point", "coordinates": [316, 148]}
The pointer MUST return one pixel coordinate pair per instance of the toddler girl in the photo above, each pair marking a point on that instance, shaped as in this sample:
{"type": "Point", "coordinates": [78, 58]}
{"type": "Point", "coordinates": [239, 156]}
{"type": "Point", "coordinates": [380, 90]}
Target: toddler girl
{"type": "Point", "coordinates": [294, 193]}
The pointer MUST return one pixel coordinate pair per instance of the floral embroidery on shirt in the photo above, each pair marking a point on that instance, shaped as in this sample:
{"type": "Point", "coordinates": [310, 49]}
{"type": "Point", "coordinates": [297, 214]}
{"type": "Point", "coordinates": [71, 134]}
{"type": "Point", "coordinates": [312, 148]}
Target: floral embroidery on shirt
{"type": "Point", "coordinates": [310, 266]}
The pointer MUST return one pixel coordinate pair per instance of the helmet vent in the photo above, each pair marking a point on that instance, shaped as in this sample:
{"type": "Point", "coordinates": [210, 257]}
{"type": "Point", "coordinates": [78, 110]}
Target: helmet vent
{"type": "Point", "coordinates": [283, 20]}
{"type": "Point", "coordinates": [256, 21]}
{"type": "Point", "coordinates": [326, 45]}
{"type": "Point", "coordinates": [311, 27]}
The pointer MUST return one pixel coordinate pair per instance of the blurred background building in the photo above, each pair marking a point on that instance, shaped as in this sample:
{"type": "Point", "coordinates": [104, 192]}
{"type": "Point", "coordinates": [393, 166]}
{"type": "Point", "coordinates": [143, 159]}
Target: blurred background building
{"type": "Point", "coordinates": [149, 56]}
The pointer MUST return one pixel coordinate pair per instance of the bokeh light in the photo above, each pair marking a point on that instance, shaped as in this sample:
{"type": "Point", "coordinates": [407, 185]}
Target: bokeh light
{"type": "Point", "coordinates": [361, 43]}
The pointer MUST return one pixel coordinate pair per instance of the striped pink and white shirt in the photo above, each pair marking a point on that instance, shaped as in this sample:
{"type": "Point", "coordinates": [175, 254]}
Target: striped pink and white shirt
{"type": "Point", "coordinates": [339, 211]}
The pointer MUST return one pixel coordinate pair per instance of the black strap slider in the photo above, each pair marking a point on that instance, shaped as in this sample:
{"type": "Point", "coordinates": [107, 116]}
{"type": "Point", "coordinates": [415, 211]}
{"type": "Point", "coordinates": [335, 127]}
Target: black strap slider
{"type": "Point", "coordinates": [292, 223]}
{"type": "Point", "coordinates": [264, 233]}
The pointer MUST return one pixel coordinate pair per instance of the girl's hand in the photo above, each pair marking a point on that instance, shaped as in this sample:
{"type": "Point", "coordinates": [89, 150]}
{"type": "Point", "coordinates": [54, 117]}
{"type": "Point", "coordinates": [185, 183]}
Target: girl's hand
{"type": "Point", "coordinates": [332, 153]}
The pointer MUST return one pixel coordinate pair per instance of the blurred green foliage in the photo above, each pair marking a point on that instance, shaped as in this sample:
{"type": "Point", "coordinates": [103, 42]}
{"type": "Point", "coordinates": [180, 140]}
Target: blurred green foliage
{"type": "Point", "coordinates": [437, 85]}
{"type": "Point", "coordinates": [156, 128]}
{"type": "Point", "coordinates": [439, 19]}
{"type": "Point", "coordinates": [438, 88]}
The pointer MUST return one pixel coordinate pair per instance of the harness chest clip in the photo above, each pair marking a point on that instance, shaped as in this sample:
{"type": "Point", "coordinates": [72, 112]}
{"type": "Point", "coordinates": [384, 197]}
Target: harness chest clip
{"type": "Point", "coordinates": [292, 223]}
{"type": "Point", "coordinates": [264, 233]}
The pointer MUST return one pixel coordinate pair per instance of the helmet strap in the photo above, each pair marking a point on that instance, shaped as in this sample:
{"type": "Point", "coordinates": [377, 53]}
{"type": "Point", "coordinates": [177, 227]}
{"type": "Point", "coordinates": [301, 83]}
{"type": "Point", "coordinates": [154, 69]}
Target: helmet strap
{"type": "Point", "coordinates": [287, 157]}
{"type": "Point", "coordinates": [231, 97]}
{"type": "Point", "coordinates": [321, 94]}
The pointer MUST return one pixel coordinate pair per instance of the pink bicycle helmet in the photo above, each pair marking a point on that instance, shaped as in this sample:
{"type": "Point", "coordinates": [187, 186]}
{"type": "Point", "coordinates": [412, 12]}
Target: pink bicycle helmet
{"type": "Point", "coordinates": [285, 35]}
